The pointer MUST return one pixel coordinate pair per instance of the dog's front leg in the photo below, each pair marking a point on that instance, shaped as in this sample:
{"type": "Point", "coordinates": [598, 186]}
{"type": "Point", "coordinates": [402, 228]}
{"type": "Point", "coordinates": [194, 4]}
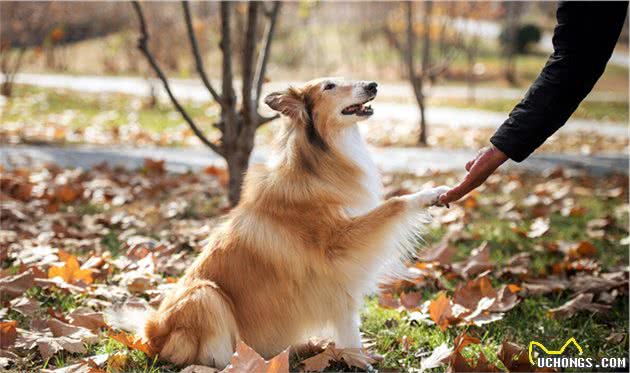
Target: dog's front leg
{"type": "Point", "coordinates": [347, 333]}
{"type": "Point", "coordinates": [363, 230]}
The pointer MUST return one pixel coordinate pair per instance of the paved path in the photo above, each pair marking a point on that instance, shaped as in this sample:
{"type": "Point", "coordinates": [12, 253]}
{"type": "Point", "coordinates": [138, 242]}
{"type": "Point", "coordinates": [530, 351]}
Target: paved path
{"type": "Point", "coordinates": [390, 159]}
{"type": "Point", "coordinates": [399, 114]}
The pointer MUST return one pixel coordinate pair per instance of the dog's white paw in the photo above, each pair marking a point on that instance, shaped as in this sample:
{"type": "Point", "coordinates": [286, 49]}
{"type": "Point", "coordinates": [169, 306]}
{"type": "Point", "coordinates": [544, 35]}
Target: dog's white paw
{"type": "Point", "coordinates": [427, 197]}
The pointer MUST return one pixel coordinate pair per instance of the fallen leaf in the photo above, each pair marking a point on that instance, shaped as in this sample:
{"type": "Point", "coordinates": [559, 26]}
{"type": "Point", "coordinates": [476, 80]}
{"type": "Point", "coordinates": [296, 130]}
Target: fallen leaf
{"type": "Point", "coordinates": [61, 329]}
{"type": "Point", "coordinates": [198, 369]}
{"type": "Point", "coordinates": [17, 284]}
{"type": "Point", "coordinates": [87, 318]}
{"type": "Point", "coordinates": [132, 342]}
{"type": "Point", "coordinates": [440, 355]}
{"type": "Point", "coordinates": [582, 249]}
{"type": "Point", "coordinates": [8, 333]}
{"type": "Point", "coordinates": [25, 306]}
{"type": "Point", "coordinates": [514, 357]}
{"type": "Point", "coordinates": [71, 272]}
{"type": "Point", "coordinates": [478, 262]}
{"type": "Point", "coordinates": [583, 283]}
{"type": "Point", "coordinates": [353, 357]}
{"type": "Point", "coordinates": [583, 302]}
{"type": "Point", "coordinates": [442, 254]}
{"type": "Point", "coordinates": [440, 311]}
{"type": "Point", "coordinates": [537, 286]}
{"type": "Point", "coordinates": [410, 300]}
{"type": "Point", "coordinates": [245, 359]}
{"type": "Point", "coordinates": [539, 227]}
{"type": "Point", "coordinates": [386, 300]}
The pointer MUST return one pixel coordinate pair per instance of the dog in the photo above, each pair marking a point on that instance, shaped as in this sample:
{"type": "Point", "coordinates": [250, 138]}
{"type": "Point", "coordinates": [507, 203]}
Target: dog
{"type": "Point", "coordinates": [308, 240]}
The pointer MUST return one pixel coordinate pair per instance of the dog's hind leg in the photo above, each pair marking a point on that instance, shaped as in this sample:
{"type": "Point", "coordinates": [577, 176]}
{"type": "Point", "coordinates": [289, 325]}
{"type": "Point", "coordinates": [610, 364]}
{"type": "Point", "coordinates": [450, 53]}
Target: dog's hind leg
{"type": "Point", "coordinates": [195, 324]}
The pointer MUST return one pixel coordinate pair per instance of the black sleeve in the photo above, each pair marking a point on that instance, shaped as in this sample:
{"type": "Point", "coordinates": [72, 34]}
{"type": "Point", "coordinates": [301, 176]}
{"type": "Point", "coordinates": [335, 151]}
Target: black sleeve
{"type": "Point", "coordinates": [583, 41]}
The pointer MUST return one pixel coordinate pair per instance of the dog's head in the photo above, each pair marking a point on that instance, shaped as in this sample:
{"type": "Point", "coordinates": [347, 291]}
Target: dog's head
{"type": "Point", "coordinates": [325, 105]}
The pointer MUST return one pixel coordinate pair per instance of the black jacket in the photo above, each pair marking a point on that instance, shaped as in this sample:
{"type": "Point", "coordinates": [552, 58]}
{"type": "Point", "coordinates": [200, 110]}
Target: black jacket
{"type": "Point", "coordinates": [583, 41]}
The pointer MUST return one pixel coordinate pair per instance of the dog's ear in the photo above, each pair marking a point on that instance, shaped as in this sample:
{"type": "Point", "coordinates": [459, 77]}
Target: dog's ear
{"type": "Point", "coordinates": [290, 103]}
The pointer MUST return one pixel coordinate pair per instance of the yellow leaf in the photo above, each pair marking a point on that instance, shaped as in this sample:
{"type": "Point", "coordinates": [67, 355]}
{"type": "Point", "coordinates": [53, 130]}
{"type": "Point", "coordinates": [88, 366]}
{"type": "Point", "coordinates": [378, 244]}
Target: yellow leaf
{"type": "Point", "coordinates": [132, 341]}
{"type": "Point", "coordinates": [70, 271]}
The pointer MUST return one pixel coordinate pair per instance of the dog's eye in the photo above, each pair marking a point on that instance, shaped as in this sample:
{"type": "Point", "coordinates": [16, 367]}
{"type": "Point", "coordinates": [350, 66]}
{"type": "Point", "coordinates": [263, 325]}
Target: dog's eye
{"type": "Point", "coordinates": [329, 86]}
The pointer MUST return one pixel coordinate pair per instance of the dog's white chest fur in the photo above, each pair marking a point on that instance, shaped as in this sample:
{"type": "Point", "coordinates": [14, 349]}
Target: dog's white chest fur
{"type": "Point", "coordinates": [352, 145]}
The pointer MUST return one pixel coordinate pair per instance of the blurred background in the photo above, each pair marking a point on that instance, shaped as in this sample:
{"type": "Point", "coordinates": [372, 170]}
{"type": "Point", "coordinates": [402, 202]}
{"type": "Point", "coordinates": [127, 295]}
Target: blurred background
{"type": "Point", "coordinates": [72, 71]}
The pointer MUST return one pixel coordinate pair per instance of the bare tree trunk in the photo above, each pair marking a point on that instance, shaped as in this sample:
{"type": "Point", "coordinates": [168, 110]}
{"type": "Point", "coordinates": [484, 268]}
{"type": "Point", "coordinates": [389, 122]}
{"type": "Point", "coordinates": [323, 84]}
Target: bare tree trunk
{"type": "Point", "coordinates": [512, 19]}
{"type": "Point", "coordinates": [237, 125]}
{"type": "Point", "coordinates": [426, 63]}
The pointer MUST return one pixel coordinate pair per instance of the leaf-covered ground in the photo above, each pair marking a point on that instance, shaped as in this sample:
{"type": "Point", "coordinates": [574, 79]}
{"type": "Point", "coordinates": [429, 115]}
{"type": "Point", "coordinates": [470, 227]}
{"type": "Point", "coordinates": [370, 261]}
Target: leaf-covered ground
{"type": "Point", "coordinates": [525, 258]}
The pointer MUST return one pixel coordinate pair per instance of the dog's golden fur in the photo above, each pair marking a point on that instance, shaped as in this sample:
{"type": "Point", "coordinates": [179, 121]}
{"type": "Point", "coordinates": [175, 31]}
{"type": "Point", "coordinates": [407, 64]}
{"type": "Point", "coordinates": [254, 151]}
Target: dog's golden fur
{"type": "Point", "coordinates": [300, 250]}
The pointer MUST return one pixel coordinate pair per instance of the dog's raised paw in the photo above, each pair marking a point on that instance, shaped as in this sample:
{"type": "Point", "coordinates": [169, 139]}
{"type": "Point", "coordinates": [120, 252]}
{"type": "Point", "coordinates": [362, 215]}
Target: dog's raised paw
{"type": "Point", "coordinates": [427, 197]}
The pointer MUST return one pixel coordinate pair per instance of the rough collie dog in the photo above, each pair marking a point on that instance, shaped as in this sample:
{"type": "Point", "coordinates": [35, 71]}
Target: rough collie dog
{"type": "Point", "coordinates": [309, 238]}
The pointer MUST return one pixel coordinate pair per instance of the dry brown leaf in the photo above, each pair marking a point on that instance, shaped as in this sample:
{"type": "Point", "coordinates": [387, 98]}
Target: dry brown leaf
{"type": "Point", "coordinates": [17, 284]}
{"type": "Point", "coordinates": [87, 318]}
{"type": "Point", "coordinates": [25, 306]}
{"type": "Point", "coordinates": [71, 272]}
{"type": "Point", "coordinates": [8, 333]}
{"type": "Point", "coordinates": [464, 339]}
{"type": "Point", "coordinates": [410, 300]}
{"type": "Point", "coordinates": [507, 298]}
{"type": "Point", "coordinates": [440, 311]}
{"type": "Point", "coordinates": [386, 300]}
{"type": "Point", "coordinates": [199, 369]}
{"type": "Point", "coordinates": [537, 286]}
{"type": "Point", "coordinates": [582, 249]}
{"type": "Point", "coordinates": [514, 357]}
{"type": "Point", "coordinates": [353, 357]}
{"type": "Point", "coordinates": [583, 283]}
{"type": "Point", "coordinates": [442, 254]}
{"type": "Point", "coordinates": [583, 302]}
{"type": "Point", "coordinates": [245, 359]}
{"type": "Point", "coordinates": [61, 329]}
{"type": "Point", "coordinates": [478, 262]}
{"type": "Point", "coordinates": [48, 346]}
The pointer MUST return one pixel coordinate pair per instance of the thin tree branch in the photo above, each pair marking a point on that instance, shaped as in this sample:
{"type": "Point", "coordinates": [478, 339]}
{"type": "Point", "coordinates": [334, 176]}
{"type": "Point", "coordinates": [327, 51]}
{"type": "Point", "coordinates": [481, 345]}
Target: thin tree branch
{"type": "Point", "coordinates": [263, 57]}
{"type": "Point", "coordinates": [411, 42]}
{"type": "Point", "coordinates": [143, 46]}
{"type": "Point", "coordinates": [264, 120]}
{"type": "Point", "coordinates": [247, 62]}
{"type": "Point", "coordinates": [229, 98]}
{"type": "Point", "coordinates": [195, 49]}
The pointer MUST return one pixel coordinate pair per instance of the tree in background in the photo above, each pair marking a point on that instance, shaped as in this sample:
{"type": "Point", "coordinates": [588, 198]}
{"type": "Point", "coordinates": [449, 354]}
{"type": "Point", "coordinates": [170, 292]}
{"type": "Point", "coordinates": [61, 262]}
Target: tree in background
{"type": "Point", "coordinates": [238, 123]}
{"type": "Point", "coordinates": [23, 25]}
{"type": "Point", "coordinates": [509, 39]}
{"type": "Point", "coordinates": [438, 48]}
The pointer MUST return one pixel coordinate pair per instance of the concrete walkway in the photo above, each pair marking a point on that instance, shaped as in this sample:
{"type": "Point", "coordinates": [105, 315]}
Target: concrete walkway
{"type": "Point", "coordinates": [390, 159]}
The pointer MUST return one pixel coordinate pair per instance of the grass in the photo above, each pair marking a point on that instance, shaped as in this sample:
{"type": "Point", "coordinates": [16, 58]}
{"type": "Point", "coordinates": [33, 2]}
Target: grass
{"type": "Point", "coordinates": [111, 110]}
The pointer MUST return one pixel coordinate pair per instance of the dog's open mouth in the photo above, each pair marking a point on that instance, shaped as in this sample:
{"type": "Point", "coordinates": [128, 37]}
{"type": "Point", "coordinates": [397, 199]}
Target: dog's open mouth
{"type": "Point", "coordinates": [361, 109]}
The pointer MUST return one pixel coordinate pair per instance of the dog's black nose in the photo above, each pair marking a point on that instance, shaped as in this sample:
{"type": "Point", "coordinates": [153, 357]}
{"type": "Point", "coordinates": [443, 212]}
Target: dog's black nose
{"type": "Point", "coordinates": [371, 87]}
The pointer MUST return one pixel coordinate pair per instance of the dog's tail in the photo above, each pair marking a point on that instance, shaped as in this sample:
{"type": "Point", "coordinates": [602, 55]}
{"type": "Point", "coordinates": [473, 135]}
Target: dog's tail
{"type": "Point", "coordinates": [130, 319]}
{"type": "Point", "coordinates": [194, 324]}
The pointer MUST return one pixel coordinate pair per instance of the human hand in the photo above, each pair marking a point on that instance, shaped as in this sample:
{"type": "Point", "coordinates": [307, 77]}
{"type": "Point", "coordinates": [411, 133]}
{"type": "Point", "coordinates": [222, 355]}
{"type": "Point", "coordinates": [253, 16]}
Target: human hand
{"type": "Point", "coordinates": [483, 165]}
